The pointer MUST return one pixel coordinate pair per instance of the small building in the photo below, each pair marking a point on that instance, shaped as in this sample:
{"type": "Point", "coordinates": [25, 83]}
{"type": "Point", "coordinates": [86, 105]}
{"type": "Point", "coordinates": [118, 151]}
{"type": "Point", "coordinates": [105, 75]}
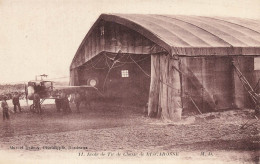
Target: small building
{"type": "Point", "coordinates": [176, 64]}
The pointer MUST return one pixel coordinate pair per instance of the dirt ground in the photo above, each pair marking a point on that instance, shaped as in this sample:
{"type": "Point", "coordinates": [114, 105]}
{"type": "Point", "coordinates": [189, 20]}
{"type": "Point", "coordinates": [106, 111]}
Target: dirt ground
{"type": "Point", "coordinates": [227, 137]}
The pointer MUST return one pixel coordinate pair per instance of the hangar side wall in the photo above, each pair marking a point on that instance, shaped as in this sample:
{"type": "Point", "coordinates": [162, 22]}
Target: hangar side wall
{"type": "Point", "coordinates": [250, 67]}
{"type": "Point", "coordinates": [213, 83]}
{"type": "Point", "coordinates": [207, 83]}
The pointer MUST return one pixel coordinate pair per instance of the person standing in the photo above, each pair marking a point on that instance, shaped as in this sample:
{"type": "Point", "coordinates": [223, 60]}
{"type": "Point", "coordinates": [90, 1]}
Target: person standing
{"type": "Point", "coordinates": [37, 103]}
{"type": "Point", "coordinates": [16, 102]}
{"type": "Point", "coordinates": [58, 104]}
{"type": "Point", "coordinates": [4, 106]}
{"type": "Point", "coordinates": [58, 101]}
{"type": "Point", "coordinates": [65, 102]}
{"type": "Point", "coordinates": [77, 100]}
{"type": "Point", "coordinates": [88, 96]}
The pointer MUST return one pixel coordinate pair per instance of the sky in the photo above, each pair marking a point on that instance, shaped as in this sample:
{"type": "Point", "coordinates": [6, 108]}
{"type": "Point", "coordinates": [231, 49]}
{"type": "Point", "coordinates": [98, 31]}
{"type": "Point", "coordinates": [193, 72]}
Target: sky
{"type": "Point", "coordinates": [42, 36]}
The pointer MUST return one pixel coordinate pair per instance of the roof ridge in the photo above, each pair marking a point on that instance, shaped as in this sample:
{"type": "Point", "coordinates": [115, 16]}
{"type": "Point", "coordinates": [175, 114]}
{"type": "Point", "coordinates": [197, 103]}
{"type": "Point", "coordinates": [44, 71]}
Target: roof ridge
{"type": "Point", "coordinates": [234, 24]}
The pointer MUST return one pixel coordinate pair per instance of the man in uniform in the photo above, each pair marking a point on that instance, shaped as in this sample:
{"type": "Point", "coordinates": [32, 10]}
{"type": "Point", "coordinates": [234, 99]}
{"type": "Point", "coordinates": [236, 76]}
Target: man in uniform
{"type": "Point", "coordinates": [16, 102]}
{"type": "Point", "coordinates": [36, 102]}
{"type": "Point", "coordinates": [4, 106]}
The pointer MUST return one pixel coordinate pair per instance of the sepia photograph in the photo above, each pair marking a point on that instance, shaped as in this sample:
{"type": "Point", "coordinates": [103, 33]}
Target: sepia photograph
{"type": "Point", "coordinates": [135, 81]}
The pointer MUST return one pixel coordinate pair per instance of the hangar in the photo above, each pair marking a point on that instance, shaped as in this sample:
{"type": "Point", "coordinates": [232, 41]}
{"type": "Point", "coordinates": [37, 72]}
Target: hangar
{"type": "Point", "coordinates": [173, 63]}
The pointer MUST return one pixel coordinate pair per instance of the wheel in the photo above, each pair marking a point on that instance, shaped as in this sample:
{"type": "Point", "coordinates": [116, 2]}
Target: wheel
{"type": "Point", "coordinates": [32, 108]}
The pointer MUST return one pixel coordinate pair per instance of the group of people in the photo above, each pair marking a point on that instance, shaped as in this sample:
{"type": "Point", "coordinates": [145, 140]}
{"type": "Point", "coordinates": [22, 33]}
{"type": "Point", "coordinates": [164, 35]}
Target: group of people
{"type": "Point", "coordinates": [5, 106]}
{"type": "Point", "coordinates": [62, 102]}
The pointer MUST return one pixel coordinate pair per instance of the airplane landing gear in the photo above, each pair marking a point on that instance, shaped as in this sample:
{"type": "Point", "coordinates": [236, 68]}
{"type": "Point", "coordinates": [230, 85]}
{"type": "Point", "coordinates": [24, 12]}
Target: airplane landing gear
{"type": "Point", "coordinates": [35, 109]}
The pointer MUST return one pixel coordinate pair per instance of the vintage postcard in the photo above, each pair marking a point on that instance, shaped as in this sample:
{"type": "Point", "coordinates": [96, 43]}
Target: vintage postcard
{"type": "Point", "coordinates": [90, 81]}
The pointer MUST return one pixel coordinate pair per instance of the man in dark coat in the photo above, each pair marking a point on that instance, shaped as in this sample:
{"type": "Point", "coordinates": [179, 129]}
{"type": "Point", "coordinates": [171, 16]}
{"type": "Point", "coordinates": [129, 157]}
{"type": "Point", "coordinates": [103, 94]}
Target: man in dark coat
{"type": "Point", "coordinates": [88, 97]}
{"type": "Point", "coordinates": [65, 102]}
{"type": "Point", "coordinates": [58, 104]}
{"type": "Point", "coordinates": [37, 103]}
{"type": "Point", "coordinates": [16, 102]}
{"type": "Point", "coordinates": [77, 100]}
{"type": "Point", "coordinates": [58, 101]}
{"type": "Point", "coordinates": [4, 106]}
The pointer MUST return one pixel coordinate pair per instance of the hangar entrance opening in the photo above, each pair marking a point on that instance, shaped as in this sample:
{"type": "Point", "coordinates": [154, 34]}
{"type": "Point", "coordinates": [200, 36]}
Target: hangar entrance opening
{"type": "Point", "coordinates": [123, 79]}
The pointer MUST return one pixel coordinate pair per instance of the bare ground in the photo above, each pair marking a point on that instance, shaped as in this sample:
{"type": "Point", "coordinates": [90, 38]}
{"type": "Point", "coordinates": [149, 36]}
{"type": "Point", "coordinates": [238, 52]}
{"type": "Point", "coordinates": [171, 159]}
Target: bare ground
{"type": "Point", "coordinates": [220, 135]}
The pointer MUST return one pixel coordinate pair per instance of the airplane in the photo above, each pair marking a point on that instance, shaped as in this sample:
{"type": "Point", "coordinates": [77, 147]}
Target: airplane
{"type": "Point", "coordinates": [46, 89]}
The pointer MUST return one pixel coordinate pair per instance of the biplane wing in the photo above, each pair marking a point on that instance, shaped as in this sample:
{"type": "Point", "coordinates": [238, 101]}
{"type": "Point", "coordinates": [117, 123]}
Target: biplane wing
{"type": "Point", "coordinates": [73, 89]}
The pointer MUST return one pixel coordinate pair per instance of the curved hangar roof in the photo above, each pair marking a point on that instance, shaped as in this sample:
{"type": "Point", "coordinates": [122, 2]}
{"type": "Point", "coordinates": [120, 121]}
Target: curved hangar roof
{"type": "Point", "coordinates": [194, 35]}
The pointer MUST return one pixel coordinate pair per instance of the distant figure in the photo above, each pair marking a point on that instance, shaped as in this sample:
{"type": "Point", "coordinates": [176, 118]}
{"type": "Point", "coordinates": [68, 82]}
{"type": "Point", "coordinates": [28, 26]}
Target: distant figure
{"type": "Point", "coordinates": [26, 93]}
{"type": "Point", "coordinates": [77, 100]}
{"type": "Point", "coordinates": [36, 102]}
{"type": "Point", "coordinates": [16, 102]}
{"type": "Point", "coordinates": [58, 102]}
{"type": "Point", "coordinates": [4, 106]}
{"type": "Point", "coordinates": [65, 102]}
{"type": "Point", "coordinates": [62, 101]}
